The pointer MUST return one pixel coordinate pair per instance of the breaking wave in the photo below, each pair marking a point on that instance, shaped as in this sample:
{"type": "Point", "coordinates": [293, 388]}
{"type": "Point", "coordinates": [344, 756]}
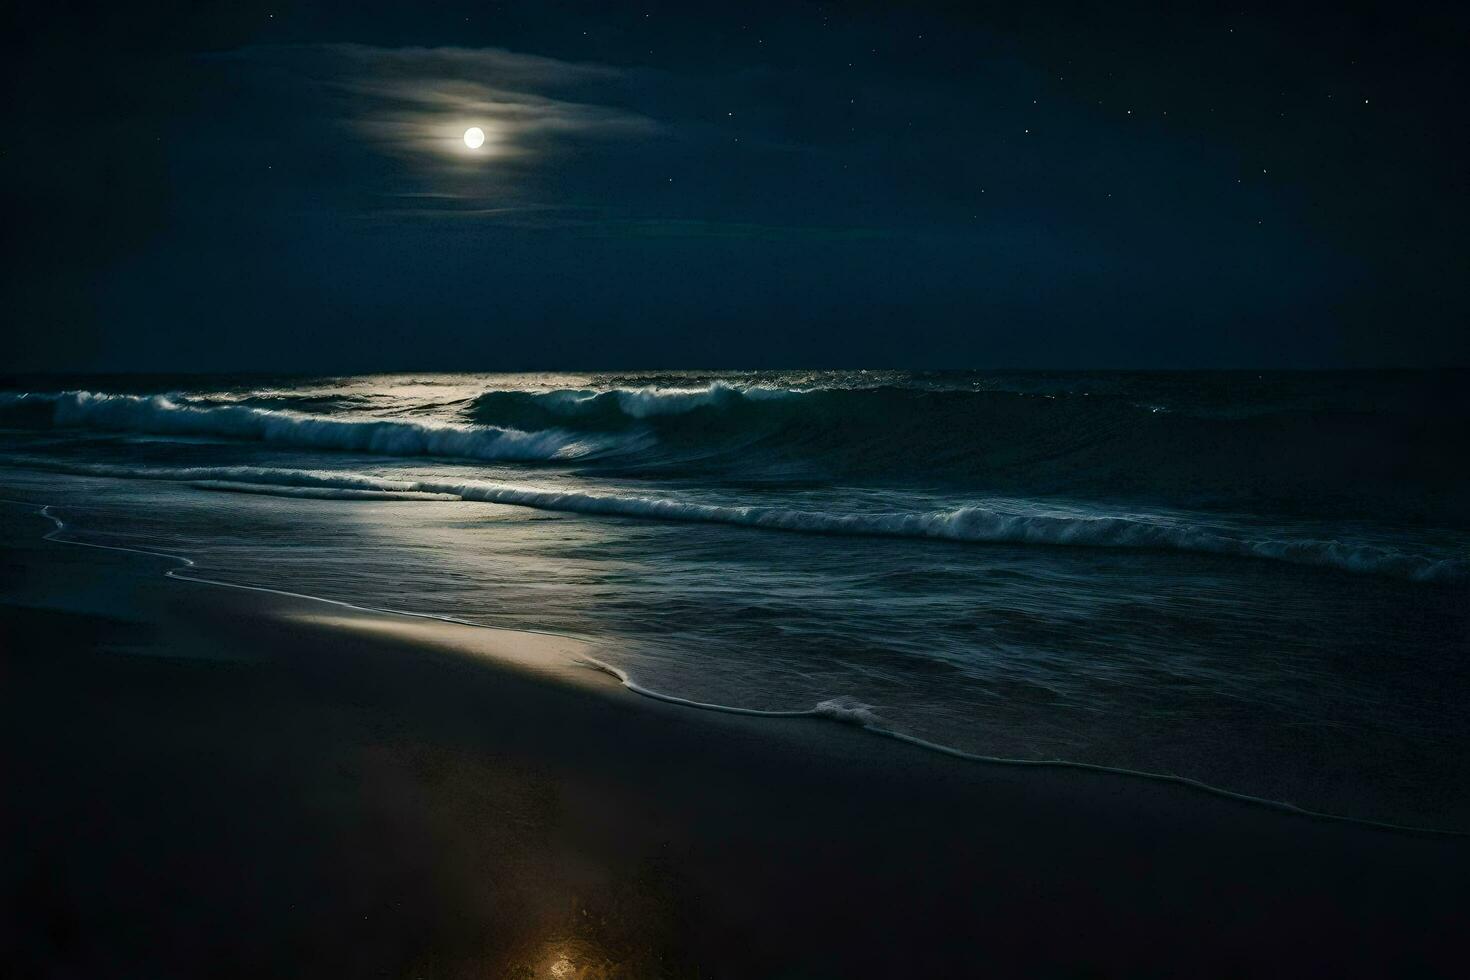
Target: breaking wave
{"type": "Point", "coordinates": [1397, 462]}
{"type": "Point", "coordinates": [1392, 461]}
{"type": "Point", "coordinates": [628, 404]}
{"type": "Point", "coordinates": [164, 415]}
{"type": "Point", "coordinates": [976, 523]}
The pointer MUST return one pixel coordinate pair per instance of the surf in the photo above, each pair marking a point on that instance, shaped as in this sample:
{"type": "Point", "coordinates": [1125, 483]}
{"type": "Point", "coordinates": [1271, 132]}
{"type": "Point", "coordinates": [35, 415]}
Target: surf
{"type": "Point", "coordinates": [994, 522]}
{"type": "Point", "coordinates": [164, 415]}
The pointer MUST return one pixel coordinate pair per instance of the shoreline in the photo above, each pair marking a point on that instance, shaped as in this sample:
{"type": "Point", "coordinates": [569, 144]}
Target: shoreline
{"type": "Point", "coordinates": [824, 710]}
{"type": "Point", "coordinates": [631, 837]}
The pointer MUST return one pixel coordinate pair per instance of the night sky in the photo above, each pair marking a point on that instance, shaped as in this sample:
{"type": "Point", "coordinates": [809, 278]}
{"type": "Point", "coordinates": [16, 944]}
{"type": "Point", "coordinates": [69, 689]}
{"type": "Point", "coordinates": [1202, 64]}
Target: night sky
{"type": "Point", "coordinates": [284, 187]}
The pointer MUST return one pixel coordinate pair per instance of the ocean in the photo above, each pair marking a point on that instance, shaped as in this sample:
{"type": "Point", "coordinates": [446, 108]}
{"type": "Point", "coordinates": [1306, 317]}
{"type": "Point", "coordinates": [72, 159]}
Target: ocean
{"type": "Point", "coordinates": [1256, 581]}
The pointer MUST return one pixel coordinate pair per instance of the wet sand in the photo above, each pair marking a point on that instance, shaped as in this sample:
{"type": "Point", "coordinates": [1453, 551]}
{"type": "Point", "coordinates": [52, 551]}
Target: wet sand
{"type": "Point", "coordinates": [201, 781]}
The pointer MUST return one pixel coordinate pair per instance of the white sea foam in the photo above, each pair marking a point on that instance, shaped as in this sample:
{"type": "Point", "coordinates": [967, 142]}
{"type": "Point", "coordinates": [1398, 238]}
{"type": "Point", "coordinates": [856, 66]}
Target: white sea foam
{"type": "Point", "coordinates": [847, 710]}
{"type": "Point", "coordinates": [162, 414]}
{"type": "Point", "coordinates": [973, 523]}
{"type": "Point", "coordinates": [642, 403]}
{"type": "Point", "coordinates": [319, 493]}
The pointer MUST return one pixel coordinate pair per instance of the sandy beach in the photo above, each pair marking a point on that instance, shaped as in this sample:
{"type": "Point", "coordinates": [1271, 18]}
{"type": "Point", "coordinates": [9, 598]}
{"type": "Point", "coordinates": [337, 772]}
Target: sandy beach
{"type": "Point", "coordinates": [204, 781]}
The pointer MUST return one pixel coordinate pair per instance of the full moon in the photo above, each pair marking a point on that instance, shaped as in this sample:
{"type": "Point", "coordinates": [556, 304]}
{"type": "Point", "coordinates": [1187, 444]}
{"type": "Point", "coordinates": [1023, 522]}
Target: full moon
{"type": "Point", "coordinates": [474, 137]}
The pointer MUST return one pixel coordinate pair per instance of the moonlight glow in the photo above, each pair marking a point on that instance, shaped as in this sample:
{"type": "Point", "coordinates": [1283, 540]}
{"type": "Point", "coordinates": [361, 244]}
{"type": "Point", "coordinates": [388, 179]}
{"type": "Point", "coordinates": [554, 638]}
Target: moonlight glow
{"type": "Point", "coordinates": [474, 137]}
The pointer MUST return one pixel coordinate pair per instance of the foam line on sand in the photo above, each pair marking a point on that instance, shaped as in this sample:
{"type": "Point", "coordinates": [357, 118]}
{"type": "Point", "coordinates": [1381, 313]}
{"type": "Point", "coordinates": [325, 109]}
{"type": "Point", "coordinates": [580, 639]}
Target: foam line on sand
{"type": "Point", "coordinates": [860, 716]}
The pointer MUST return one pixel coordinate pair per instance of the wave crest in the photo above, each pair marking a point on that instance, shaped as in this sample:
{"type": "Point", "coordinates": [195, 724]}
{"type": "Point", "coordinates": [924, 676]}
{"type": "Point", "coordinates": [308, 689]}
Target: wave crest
{"type": "Point", "coordinates": [975, 523]}
{"type": "Point", "coordinates": [161, 414]}
{"type": "Point", "coordinates": [621, 407]}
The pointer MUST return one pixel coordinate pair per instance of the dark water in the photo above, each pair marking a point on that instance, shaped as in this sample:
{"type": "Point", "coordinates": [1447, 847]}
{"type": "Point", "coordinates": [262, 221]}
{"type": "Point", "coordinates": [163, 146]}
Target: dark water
{"type": "Point", "coordinates": [1259, 581]}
